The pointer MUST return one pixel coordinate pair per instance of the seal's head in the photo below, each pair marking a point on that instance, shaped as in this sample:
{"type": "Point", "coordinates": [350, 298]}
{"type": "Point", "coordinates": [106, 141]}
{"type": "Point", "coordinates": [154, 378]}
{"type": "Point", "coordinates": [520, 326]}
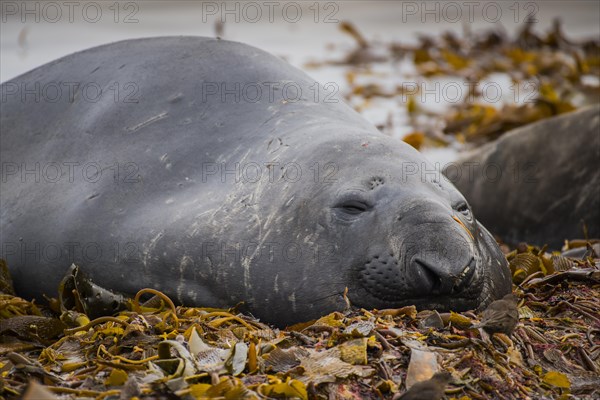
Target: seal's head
{"type": "Point", "coordinates": [389, 227]}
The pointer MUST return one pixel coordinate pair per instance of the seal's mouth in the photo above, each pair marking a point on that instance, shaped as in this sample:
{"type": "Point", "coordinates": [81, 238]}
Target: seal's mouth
{"type": "Point", "coordinates": [383, 285]}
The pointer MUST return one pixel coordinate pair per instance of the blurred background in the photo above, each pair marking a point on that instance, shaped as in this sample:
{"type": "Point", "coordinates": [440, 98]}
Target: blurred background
{"type": "Point", "coordinates": [443, 75]}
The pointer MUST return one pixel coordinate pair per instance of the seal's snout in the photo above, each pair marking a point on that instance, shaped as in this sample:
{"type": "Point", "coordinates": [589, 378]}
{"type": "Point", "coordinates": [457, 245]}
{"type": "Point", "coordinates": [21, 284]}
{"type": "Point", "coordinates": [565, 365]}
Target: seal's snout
{"type": "Point", "coordinates": [429, 260]}
{"type": "Point", "coordinates": [436, 278]}
{"type": "Point", "coordinates": [394, 279]}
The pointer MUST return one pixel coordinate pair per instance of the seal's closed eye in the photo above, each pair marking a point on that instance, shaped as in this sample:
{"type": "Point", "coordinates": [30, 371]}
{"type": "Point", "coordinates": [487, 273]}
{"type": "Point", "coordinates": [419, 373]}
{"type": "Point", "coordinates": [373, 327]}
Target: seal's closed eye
{"type": "Point", "coordinates": [354, 207]}
{"type": "Point", "coordinates": [353, 201]}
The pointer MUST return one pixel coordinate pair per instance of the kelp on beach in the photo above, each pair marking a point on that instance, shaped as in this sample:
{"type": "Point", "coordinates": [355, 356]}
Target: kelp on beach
{"type": "Point", "coordinates": [492, 81]}
{"type": "Point", "coordinates": [153, 349]}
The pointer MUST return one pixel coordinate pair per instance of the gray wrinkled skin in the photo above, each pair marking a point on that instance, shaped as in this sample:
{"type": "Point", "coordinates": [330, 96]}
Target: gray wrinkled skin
{"type": "Point", "coordinates": [353, 212]}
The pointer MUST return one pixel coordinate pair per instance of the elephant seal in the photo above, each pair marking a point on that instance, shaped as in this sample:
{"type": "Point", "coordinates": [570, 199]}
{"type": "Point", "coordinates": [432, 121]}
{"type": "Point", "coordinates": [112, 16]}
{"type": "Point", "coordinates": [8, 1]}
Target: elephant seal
{"type": "Point", "coordinates": [537, 183]}
{"type": "Point", "coordinates": [217, 173]}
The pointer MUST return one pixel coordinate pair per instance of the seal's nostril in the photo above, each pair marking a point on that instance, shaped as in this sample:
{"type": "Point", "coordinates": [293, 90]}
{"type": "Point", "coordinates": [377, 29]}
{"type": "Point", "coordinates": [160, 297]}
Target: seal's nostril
{"type": "Point", "coordinates": [430, 279]}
